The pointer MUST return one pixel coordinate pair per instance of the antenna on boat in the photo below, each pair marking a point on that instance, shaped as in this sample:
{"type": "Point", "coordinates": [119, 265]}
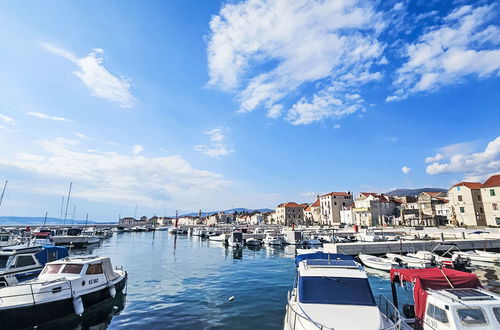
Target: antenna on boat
{"type": "Point", "coordinates": [86, 220]}
{"type": "Point", "coordinates": [45, 220]}
{"type": "Point", "coordinates": [3, 192]}
{"type": "Point", "coordinates": [67, 203]}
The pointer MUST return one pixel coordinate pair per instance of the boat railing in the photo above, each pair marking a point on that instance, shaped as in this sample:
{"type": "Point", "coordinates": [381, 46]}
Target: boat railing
{"type": "Point", "coordinates": [390, 313]}
{"type": "Point", "coordinates": [295, 318]}
{"type": "Point", "coordinates": [40, 295]}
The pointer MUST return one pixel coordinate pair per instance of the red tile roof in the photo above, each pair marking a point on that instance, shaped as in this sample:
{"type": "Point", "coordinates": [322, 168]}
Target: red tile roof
{"type": "Point", "coordinates": [337, 194]}
{"type": "Point", "coordinates": [315, 204]}
{"type": "Point", "coordinates": [381, 197]}
{"type": "Point", "coordinates": [290, 204]}
{"type": "Point", "coordinates": [493, 181]}
{"type": "Point", "coordinates": [470, 185]}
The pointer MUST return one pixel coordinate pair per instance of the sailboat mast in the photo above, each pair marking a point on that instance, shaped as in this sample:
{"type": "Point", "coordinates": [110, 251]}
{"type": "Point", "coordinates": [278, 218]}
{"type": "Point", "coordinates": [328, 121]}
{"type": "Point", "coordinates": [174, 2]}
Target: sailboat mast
{"type": "Point", "coordinates": [3, 192]}
{"type": "Point", "coordinates": [67, 203]}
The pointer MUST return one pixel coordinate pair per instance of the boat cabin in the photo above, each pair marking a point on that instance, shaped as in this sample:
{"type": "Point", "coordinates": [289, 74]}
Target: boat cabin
{"type": "Point", "coordinates": [6, 239]}
{"type": "Point", "coordinates": [20, 263]}
{"type": "Point", "coordinates": [447, 299]}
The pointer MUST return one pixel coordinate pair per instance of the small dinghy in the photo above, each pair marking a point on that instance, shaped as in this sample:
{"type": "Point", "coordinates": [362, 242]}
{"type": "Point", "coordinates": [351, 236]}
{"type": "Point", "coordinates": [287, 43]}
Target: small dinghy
{"type": "Point", "coordinates": [64, 287]}
{"type": "Point", "coordinates": [376, 262]}
{"type": "Point", "coordinates": [409, 262]}
{"type": "Point", "coordinates": [475, 256]}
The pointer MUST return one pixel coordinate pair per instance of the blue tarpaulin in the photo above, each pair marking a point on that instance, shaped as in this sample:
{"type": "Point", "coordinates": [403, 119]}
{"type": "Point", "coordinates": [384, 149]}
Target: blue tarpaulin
{"type": "Point", "coordinates": [335, 290]}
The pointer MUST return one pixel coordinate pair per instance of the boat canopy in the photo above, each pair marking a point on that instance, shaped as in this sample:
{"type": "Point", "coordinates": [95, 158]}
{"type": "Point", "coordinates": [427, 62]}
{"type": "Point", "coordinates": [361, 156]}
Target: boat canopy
{"type": "Point", "coordinates": [432, 278]}
{"type": "Point", "coordinates": [321, 255]}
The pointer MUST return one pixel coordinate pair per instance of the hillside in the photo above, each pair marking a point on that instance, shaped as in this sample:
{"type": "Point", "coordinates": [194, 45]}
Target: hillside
{"type": "Point", "coordinates": [414, 192]}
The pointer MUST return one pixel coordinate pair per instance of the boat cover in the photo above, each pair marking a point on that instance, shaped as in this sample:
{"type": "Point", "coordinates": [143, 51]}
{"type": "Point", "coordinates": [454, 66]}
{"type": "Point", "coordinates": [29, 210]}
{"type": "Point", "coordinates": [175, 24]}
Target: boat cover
{"type": "Point", "coordinates": [108, 269]}
{"type": "Point", "coordinates": [321, 255]}
{"type": "Point", "coordinates": [435, 279]}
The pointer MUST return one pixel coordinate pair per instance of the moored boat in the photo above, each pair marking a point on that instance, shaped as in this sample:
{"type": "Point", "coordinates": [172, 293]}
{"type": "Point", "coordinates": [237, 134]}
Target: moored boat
{"type": "Point", "coordinates": [409, 262]}
{"type": "Point", "coordinates": [377, 262]}
{"type": "Point", "coordinates": [253, 242]}
{"type": "Point", "coordinates": [332, 292]}
{"type": "Point", "coordinates": [475, 256]}
{"type": "Point", "coordinates": [64, 287]}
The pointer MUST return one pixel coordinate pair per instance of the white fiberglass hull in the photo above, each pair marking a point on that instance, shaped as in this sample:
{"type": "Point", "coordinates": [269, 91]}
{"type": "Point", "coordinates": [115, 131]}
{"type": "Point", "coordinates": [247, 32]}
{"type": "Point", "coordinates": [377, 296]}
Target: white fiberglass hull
{"type": "Point", "coordinates": [375, 262]}
{"type": "Point", "coordinates": [75, 240]}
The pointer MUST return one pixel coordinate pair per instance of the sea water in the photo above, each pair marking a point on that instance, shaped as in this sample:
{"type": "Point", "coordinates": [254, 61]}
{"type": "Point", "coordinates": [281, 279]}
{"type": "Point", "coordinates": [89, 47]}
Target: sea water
{"type": "Point", "coordinates": [186, 282]}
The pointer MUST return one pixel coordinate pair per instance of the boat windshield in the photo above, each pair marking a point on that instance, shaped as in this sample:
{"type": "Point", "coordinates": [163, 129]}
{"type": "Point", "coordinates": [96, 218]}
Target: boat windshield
{"type": "Point", "coordinates": [335, 290]}
{"type": "Point", "coordinates": [72, 269]}
{"type": "Point", "coordinates": [51, 269]}
{"type": "Point", "coordinates": [4, 261]}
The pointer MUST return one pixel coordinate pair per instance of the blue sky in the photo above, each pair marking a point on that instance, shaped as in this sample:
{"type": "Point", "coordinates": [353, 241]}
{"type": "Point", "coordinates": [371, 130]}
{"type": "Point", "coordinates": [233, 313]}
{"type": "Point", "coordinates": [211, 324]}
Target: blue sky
{"type": "Point", "coordinates": [208, 105]}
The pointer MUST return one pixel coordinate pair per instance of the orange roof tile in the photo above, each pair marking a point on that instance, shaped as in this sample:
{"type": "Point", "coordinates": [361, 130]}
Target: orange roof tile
{"type": "Point", "coordinates": [337, 194]}
{"type": "Point", "coordinates": [470, 185]}
{"type": "Point", "coordinates": [289, 204]}
{"type": "Point", "coordinates": [315, 204]}
{"type": "Point", "coordinates": [493, 181]}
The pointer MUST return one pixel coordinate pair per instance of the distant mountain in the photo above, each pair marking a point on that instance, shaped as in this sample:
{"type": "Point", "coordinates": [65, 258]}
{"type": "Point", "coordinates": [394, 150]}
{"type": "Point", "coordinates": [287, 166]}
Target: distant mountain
{"type": "Point", "coordinates": [230, 211]}
{"type": "Point", "coordinates": [414, 192]}
{"type": "Point", "coordinates": [38, 221]}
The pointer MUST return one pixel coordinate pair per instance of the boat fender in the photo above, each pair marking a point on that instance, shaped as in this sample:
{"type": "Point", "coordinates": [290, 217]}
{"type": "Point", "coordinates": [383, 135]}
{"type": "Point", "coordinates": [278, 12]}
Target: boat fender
{"type": "Point", "coordinates": [231, 298]}
{"type": "Point", "coordinates": [78, 305]}
{"type": "Point", "coordinates": [112, 291]}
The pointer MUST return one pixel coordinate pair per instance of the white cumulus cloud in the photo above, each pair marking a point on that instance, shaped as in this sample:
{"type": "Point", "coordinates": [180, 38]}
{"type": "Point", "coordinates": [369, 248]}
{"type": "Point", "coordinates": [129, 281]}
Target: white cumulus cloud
{"type": "Point", "coordinates": [96, 77]}
{"type": "Point", "coordinates": [137, 149]}
{"type": "Point", "coordinates": [264, 51]}
{"type": "Point", "coordinates": [406, 169]}
{"type": "Point", "coordinates": [473, 165]}
{"type": "Point", "coordinates": [434, 158]}
{"type": "Point", "coordinates": [466, 43]}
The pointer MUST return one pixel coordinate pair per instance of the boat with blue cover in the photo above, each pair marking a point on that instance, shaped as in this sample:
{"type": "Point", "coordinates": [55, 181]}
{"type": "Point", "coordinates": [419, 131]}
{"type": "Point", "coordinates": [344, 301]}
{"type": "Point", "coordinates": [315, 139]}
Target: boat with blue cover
{"type": "Point", "coordinates": [19, 263]}
{"type": "Point", "coordinates": [332, 292]}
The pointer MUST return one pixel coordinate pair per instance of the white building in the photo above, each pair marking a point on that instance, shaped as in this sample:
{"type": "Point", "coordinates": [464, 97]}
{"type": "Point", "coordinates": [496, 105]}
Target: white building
{"type": "Point", "coordinates": [331, 204]}
{"type": "Point", "coordinates": [290, 213]}
{"type": "Point", "coordinates": [490, 192]}
{"type": "Point", "coordinates": [466, 204]}
{"type": "Point", "coordinates": [372, 209]}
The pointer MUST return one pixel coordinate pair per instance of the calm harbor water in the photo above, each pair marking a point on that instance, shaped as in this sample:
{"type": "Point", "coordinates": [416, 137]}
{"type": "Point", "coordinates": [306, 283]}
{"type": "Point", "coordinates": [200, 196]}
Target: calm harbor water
{"type": "Point", "coordinates": [185, 282]}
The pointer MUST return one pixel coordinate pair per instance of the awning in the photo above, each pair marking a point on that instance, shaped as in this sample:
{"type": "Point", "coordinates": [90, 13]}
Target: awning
{"type": "Point", "coordinates": [435, 279]}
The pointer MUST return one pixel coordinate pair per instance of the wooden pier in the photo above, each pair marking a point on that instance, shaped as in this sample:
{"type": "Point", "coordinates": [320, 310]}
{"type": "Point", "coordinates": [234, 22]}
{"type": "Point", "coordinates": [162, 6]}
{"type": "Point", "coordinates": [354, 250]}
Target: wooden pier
{"type": "Point", "coordinates": [380, 248]}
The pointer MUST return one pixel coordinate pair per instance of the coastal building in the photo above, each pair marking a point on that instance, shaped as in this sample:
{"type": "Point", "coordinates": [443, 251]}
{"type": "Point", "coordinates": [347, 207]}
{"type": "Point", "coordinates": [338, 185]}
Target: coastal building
{"type": "Point", "coordinates": [466, 204]}
{"type": "Point", "coordinates": [427, 202]}
{"type": "Point", "coordinates": [347, 215]}
{"type": "Point", "coordinates": [372, 209]}
{"type": "Point", "coordinates": [290, 213]}
{"type": "Point", "coordinates": [312, 214]}
{"type": "Point", "coordinates": [490, 192]}
{"type": "Point", "coordinates": [331, 204]}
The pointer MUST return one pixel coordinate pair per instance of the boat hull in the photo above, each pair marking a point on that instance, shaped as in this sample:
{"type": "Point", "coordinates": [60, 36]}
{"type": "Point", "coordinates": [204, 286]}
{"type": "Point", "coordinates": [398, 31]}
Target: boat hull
{"type": "Point", "coordinates": [30, 316]}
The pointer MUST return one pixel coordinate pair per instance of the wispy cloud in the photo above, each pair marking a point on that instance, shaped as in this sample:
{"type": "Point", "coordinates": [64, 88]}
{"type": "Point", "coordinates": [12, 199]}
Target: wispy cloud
{"type": "Point", "coordinates": [218, 146]}
{"type": "Point", "coordinates": [327, 46]}
{"type": "Point", "coordinates": [476, 165]}
{"type": "Point", "coordinates": [465, 44]}
{"type": "Point", "coordinates": [96, 77]}
{"type": "Point", "coordinates": [137, 149]}
{"type": "Point", "coordinates": [118, 178]}
{"type": "Point", "coordinates": [45, 116]}
{"type": "Point", "coordinates": [406, 169]}
{"type": "Point", "coordinates": [8, 120]}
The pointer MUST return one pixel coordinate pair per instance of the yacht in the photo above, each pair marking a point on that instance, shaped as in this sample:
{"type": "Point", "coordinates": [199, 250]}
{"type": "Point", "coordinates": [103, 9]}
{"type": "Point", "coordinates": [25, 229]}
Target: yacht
{"type": "Point", "coordinates": [332, 292]}
{"type": "Point", "coordinates": [74, 236]}
{"type": "Point", "coordinates": [446, 299]}
{"type": "Point", "coordinates": [20, 263]}
{"type": "Point", "coordinates": [64, 287]}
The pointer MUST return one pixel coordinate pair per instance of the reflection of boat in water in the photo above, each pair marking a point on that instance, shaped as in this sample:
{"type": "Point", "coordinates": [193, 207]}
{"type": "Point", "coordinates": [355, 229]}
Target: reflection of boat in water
{"type": "Point", "coordinates": [96, 317]}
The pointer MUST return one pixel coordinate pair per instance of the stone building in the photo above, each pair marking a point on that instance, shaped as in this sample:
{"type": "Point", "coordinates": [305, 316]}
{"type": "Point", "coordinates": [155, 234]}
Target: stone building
{"type": "Point", "coordinates": [331, 204]}
{"type": "Point", "coordinates": [290, 213]}
{"type": "Point", "coordinates": [490, 192]}
{"type": "Point", "coordinates": [466, 204]}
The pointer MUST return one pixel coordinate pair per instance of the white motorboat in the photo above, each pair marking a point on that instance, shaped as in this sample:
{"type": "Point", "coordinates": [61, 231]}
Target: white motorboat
{"type": "Point", "coordinates": [8, 239]}
{"type": "Point", "coordinates": [332, 293]}
{"type": "Point", "coordinates": [162, 228]}
{"type": "Point", "coordinates": [489, 253]}
{"type": "Point", "coordinates": [475, 256]}
{"type": "Point", "coordinates": [75, 240]}
{"type": "Point", "coordinates": [369, 236]}
{"type": "Point", "coordinates": [64, 287]}
{"type": "Point", "coordinates": [446, 299]}
{"type": "Point", "coordinates": [273, 240]}
{"type": "Point", "coordinates": [293, 237]}
{"type": "Point", "coordinates": [409, 262]}
{"type": "Point", "coordinates": [253, 242]}
{"type": "Point", "coordinates": [173, 230]}
{"type": "Point", "coordinates": [219, 238]}
{"type": "Point", "coordinates": [377, 262]}
{"type": "Point", "coordinates": [308, 251]}
{"type": "Point", "coordinates": [21, 263]}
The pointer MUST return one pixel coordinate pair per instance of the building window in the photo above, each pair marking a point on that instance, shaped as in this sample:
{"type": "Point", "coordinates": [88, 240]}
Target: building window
{"type": "Point", "coordinates": [479, 198]}
{"type": "Point", "coordinates": [481, 210]}
{"type": "Point", "coordinates": [334, 203]}
{"type": "Point", "coordinates": [460, 199]}
{"type": "Point", "coordinates": [462, 209]}
{"type": "Point", "coordinates": [492, 192]}
{"type": "Point", "coordinates": [458, 188]}
{"type": "Point", "coordinates": [495, 206]}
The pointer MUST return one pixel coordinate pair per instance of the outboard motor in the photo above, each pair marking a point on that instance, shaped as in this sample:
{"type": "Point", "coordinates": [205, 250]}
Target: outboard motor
{"type": "Point", "coordinates": [399, 261]}
{"type": "Point", "coordinates": [409, 311]}
{"type": "Point", "coordinates": [460, 263]}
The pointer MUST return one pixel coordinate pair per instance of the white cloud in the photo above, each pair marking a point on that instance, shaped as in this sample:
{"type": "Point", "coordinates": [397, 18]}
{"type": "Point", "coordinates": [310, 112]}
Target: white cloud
{"type": "Point", "coordinates": [96, 77]}
{"type": "Point", "coordinates": [137, 149]}
{"type": "Point", "coordinates": [45, 116]}
{"type": "Point", "coordinates": [218, 146]}
{"type": "Point", "coordinates": [405, 169]}
{"type": "Point", "coordinates": [473, 165]}
{"type": "Point", "coordinates": [80, 135]}
{"type": "Point", "coordinates": [434, 158]}
{"type": "Point", "coordinates": [337, 126]}
{"type": "Point", "coordinates": [8, 120]}
{"type": "Point", "coordinates": [118, 178]}
{"type": "Point", "coordinates": [265, 50]}
{"type": "Point", "coordinates": [465, 44]}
